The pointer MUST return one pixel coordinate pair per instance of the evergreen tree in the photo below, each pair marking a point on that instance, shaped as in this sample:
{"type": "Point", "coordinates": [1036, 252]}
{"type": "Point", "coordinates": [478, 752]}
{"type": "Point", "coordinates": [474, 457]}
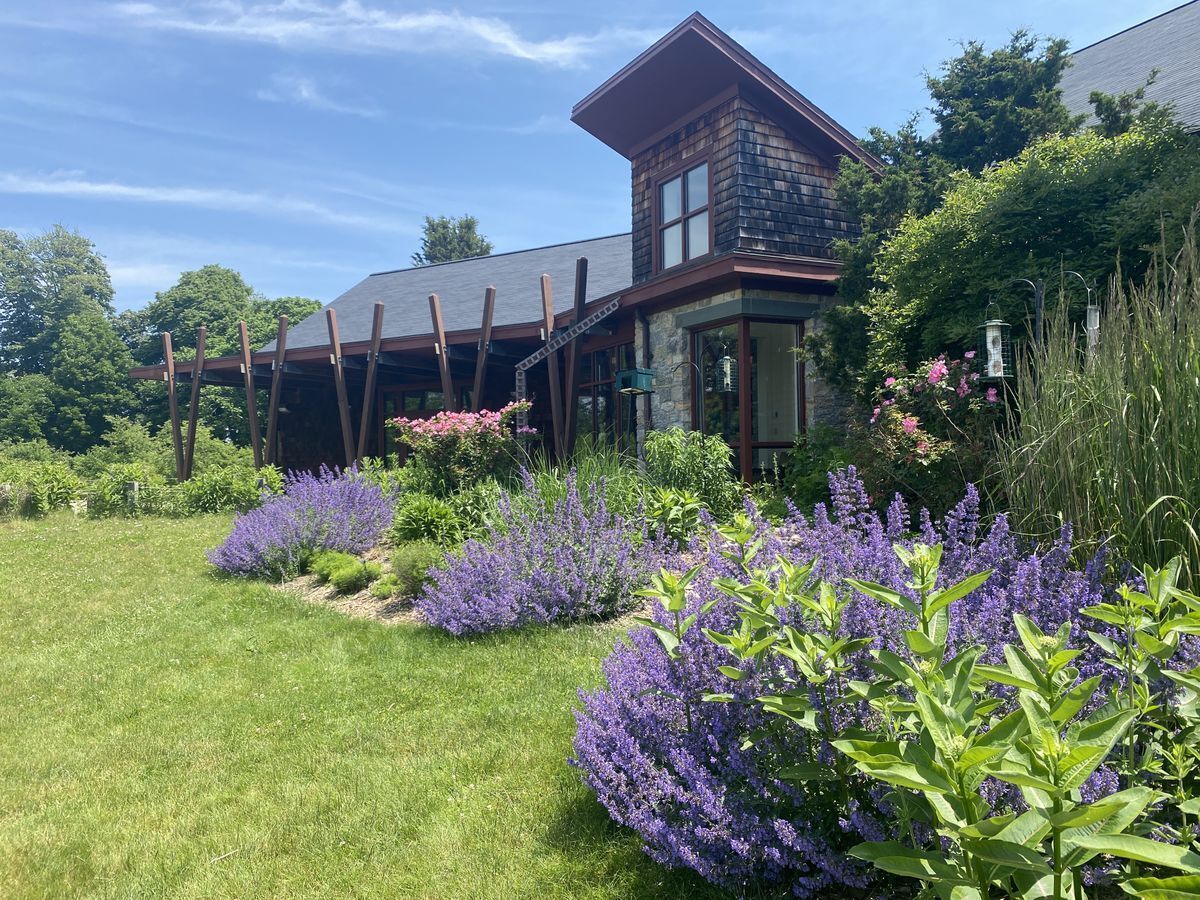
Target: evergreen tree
{"type": "Point", "coordinates": [447, 238]}
{"type": "Point", "coordinates": [89, 369]}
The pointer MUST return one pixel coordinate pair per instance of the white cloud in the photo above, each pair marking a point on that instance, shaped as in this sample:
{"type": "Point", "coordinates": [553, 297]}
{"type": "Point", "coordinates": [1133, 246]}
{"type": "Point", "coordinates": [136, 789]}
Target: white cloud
{"type": "Point", "coordinates": [73, 184]}
{"type": "Point", "coordinates": [352, 26]}
{"type": "Point", "coordinates": [303, 91]}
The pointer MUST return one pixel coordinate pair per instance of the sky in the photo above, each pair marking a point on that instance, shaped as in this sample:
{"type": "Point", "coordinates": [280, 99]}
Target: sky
{"type": "Point", "coordinates": [302, 142]}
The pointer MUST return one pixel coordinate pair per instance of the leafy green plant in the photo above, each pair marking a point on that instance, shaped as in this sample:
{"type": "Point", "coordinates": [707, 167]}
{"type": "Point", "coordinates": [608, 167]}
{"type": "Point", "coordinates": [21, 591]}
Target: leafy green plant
{"type": "Point", "coordinates": [325, 562]}
{"type": "Point", "coordinates": [231, 489]}
{"type": "Point", "coordinates": [424, 517]}
{"type": "Point", "coordinates": [131, 489]}
{"type": "Point", "coordinates": [697, 463]}
{"type": "Point", "coordinates": [350, 579]}
{"type": "Point", "coordinates": [385, 587]}
{"type": "Point", "coordinates": [675, 513]}
{"type": "Point", "coordinates": [411, 563]}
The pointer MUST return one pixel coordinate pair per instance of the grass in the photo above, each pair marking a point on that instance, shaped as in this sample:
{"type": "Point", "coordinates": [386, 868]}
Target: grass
{"type": "Point", "coordinates": [169, 733]}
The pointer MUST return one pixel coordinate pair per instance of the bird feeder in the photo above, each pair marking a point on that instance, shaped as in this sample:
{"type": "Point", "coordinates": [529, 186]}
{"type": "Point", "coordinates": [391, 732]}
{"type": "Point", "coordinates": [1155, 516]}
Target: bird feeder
{"type": "Point", "coordinates": [995, 350]}
{"type": "Point", "coordinates": [635, 382]}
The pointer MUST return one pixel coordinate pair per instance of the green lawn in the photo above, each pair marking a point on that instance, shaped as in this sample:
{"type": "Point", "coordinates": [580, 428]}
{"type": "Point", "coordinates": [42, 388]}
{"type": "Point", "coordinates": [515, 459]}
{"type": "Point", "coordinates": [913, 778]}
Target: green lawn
{"type": "Point", "coordinates": [167, 733]}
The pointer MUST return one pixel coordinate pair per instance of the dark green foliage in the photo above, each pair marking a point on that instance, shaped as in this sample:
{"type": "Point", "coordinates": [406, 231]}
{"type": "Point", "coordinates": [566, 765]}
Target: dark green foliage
{"type": "Point", "coordinates": [26, 407]}
{"type": "Point", "coordinates": [90, 371]}
{"type": "Point", "coordinates": [699, 464]}
{"type": "Point", "coordinates": [803, 476]}
{"type": "Point", "coordinates": [1117, 113]}
{"type": "Point", "coordinates": [989, 106]}
{"type": "Point", "coordinates": [448, 238]}
{"type": "Point", "coordinates": [44, 280]}
{"type": "Point", "coordinates": [1083, 202]}
{"type": "Point", "coordinates": [411, 563]}
{"type": "Point", "coordinates": [37, 488]}
{"type": "Point", "coordinates": [423, 517]}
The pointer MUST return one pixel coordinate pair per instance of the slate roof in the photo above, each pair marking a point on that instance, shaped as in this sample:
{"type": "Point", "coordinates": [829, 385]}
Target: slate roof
{"type": "Point", "coordinates": [1169, 42]}
{"type": "Point", "coordinates": [461, 284]}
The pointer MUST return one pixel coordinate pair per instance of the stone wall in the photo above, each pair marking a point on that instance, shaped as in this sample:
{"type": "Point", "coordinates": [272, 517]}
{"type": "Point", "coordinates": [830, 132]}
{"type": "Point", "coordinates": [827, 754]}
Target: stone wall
{"type": "Point", "coordinates": [670, 404]}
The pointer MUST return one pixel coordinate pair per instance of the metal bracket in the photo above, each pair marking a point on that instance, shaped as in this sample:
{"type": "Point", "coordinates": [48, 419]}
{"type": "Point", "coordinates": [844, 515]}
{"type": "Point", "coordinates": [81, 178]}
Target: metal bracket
{"type": "Point", "coordinates": [557, 341]}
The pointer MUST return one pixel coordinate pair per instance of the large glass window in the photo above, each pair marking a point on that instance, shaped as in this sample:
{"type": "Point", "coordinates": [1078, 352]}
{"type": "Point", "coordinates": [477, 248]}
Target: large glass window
{"type": "Point", "coordinates": [601, 413]}
{"type": "Point", "coordinates": [719, 391]}
{"type": "Point", "coordinates": [683, 217]}
{"type": "Point", "coordinates": [768, 393]}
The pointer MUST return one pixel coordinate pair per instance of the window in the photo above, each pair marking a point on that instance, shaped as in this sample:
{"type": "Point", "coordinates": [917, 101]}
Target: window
{"type": "Point", "coordinates": [683, 217]}
{"type": "Point", "coordinates": [749, 388]}
{"type": "Point", "coordinates": [601, 413]}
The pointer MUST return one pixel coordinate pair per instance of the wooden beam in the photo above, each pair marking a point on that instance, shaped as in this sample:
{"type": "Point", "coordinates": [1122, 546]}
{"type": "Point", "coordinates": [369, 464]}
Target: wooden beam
{"type": "Point", "coordinates": [194, 401]}
{"type": "Point", "coordinates": [439, 348]}
{"type": "Point", "coordinates": [368, 403]}
{"type": "Point", "coordinates": [575, 358]}
{"type": "Point", "coordinates": [556, 412]}
{"type": "Point", "coordinates": [485, 340]}
{"type": "Point", "coordinates": [339, 381]}
{"type": "Point", "coordinates": [276, 388]}
{"type": "Point", "coordinates": [173, 405]}
{"type": "Point", "coordinates": [251, 400]}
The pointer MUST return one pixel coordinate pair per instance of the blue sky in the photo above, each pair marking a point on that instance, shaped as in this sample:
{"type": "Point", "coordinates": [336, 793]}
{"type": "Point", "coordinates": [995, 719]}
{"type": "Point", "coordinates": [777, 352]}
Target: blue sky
{"type": "Point", "coordinates": [302, 141]}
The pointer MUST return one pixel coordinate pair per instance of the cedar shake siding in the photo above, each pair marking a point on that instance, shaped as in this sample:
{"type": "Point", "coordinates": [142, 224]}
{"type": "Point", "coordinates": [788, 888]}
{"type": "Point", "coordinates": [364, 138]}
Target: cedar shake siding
{"type": "Point", "coordinates": [770, 193]}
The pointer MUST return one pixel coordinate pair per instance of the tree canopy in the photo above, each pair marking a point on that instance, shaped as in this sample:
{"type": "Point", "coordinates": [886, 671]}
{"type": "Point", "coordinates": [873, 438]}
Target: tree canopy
{"type": "Point", "coordinates": [447, 238]}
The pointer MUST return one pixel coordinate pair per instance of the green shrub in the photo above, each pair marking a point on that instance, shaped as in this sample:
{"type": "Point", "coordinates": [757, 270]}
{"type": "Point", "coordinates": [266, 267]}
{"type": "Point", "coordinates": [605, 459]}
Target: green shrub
{"type": "Point", "coordinates": [423, 517]}
{"type": "Point", "coordinates": [675, 513]}
{"type": "Point", "coordinates": [697, 463]}
{"type": "Point", "coordinates": [803, 473]}
{"type": "Point", "coordinates": [411, 563]}
{"type": "Point", "coordinates": [352, 578]}
{"type": "Point", "coordinates": [230, 489]}
{"type": "Point", "coordinates": [113, 494]}
{"type": "Point", "coordinates": [326, 562]}
{"type": "Point", "coordinates": [386, 587]}
{"type": "Point", "coordinates": [38, 488]}
{"type": "Point", "coordinates": [476, 506]}
{"type": "Point", "coordinates": [593, 464]}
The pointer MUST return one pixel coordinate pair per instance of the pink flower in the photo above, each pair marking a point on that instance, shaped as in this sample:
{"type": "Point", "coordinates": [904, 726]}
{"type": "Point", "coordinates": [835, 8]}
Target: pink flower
{"type": "Point", "coordinates": [875, 415]}
{"type": "Point", "coordinates": [962, 390]}
{"type": "Point", "coordinates": [922, 446]}
{"type": "Point", "coordinates": [889, 381]}
{"type": "Point", "coordinates": [970, 354]}
{"type": "Point", "coordinates": [909, 424]}
{"type": "Point", "coordinates": [938, 371]}
{"type": "Point", "coordinates": [991, 395]}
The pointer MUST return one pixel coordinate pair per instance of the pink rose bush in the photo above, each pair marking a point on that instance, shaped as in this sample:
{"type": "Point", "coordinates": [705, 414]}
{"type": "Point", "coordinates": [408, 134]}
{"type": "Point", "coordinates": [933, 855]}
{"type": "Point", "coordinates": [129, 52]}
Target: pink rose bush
{"type": "Point", "coordinates": [928, 431]}
{"type": "Point", "coordinates": [457, 449]}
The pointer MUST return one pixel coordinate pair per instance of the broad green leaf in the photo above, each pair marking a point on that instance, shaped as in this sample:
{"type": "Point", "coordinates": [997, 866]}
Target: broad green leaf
{"type": "Point", "coordinates": [884, 594]}
{"type": "Point", "coordinates": [1074, 700]}
{"type": "Point", "coordinates": [732, 672]}
{"type": "Point", "coordinates": [1178, 887]}
{"type": "Point", "coordinates": [1140, 849]}
{"type": "Point", "coordinates": [942, 598]}
{"type": "Point", "coordinates": [1004, 853]}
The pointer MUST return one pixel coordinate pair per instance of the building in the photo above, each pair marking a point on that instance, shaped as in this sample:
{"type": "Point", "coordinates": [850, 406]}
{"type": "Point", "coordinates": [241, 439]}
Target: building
{"type": "Point", "coordinates": [726, 269]}
{"type": "Point", "coordinates": [1122, 62]}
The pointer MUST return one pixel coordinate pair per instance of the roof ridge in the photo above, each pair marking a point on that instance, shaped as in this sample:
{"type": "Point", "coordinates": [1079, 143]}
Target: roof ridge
{"type": "Point", "coordinates": [1168, 12]}
{"type": "Point", "coordinates": [453, 262]}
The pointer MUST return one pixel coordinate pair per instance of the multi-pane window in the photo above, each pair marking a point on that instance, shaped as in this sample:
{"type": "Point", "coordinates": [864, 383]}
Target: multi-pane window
{"type": "Point", "coordinates": [601, 413]}
{"type": "Point", "coordinates": [683, 217]}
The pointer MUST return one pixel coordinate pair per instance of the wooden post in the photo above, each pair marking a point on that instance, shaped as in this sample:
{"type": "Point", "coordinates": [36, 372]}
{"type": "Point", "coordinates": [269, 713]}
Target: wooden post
{"type": "Point", "coordinates": [251, 401]}
{"type": "Point", "coordinates": [485, 339]}
{"type": "Point", "coordinates": [439, 348]}
{"type": "Point", "coordinates": [556, 413]}
{"type": "Point", "coordinates": [575, 358]}
{"type": "Point", "coordinates": [194, 402]}
{"type": "Point", "coordinates": [173, 405]}
{"type": "Point", "coordinates": [276, 387]}
{"type": "Point", "coordinates": [339, 381]}
{"type": "Point", "coordinates": [368, 403]}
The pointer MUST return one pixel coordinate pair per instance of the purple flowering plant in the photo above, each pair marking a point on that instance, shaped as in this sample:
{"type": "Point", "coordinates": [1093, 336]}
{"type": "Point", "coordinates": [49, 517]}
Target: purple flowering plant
{"type": "Point", "coordinates": [543, 560]}
{"type": "Point", "coordinates": [329, 510]}
{"type": "Point", "coordinates": [725, 785]}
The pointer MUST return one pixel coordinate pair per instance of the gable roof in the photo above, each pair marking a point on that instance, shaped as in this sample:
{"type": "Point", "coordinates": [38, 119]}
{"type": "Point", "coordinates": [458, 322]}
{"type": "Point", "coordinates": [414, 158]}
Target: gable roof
{"type": "Point", "coordinates": [688, 67]}
{"type": "Point", "coordinates": [1169, 42]}
{"type": "Point", "coordinates": [461, 285]}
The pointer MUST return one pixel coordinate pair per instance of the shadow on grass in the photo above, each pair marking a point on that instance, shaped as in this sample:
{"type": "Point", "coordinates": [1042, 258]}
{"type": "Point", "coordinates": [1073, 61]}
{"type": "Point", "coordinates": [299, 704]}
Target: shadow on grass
{"type": "Point", "coordinates": [581, 830]}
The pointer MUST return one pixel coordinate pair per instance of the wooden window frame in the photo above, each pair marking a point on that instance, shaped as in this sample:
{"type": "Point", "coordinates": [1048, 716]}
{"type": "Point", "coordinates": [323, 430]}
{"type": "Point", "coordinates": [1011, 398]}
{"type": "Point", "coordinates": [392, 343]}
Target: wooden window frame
{"type": "Point", "coordinates": [680, 170]}
{"type": "Point", "coordinates": [745, 445]}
